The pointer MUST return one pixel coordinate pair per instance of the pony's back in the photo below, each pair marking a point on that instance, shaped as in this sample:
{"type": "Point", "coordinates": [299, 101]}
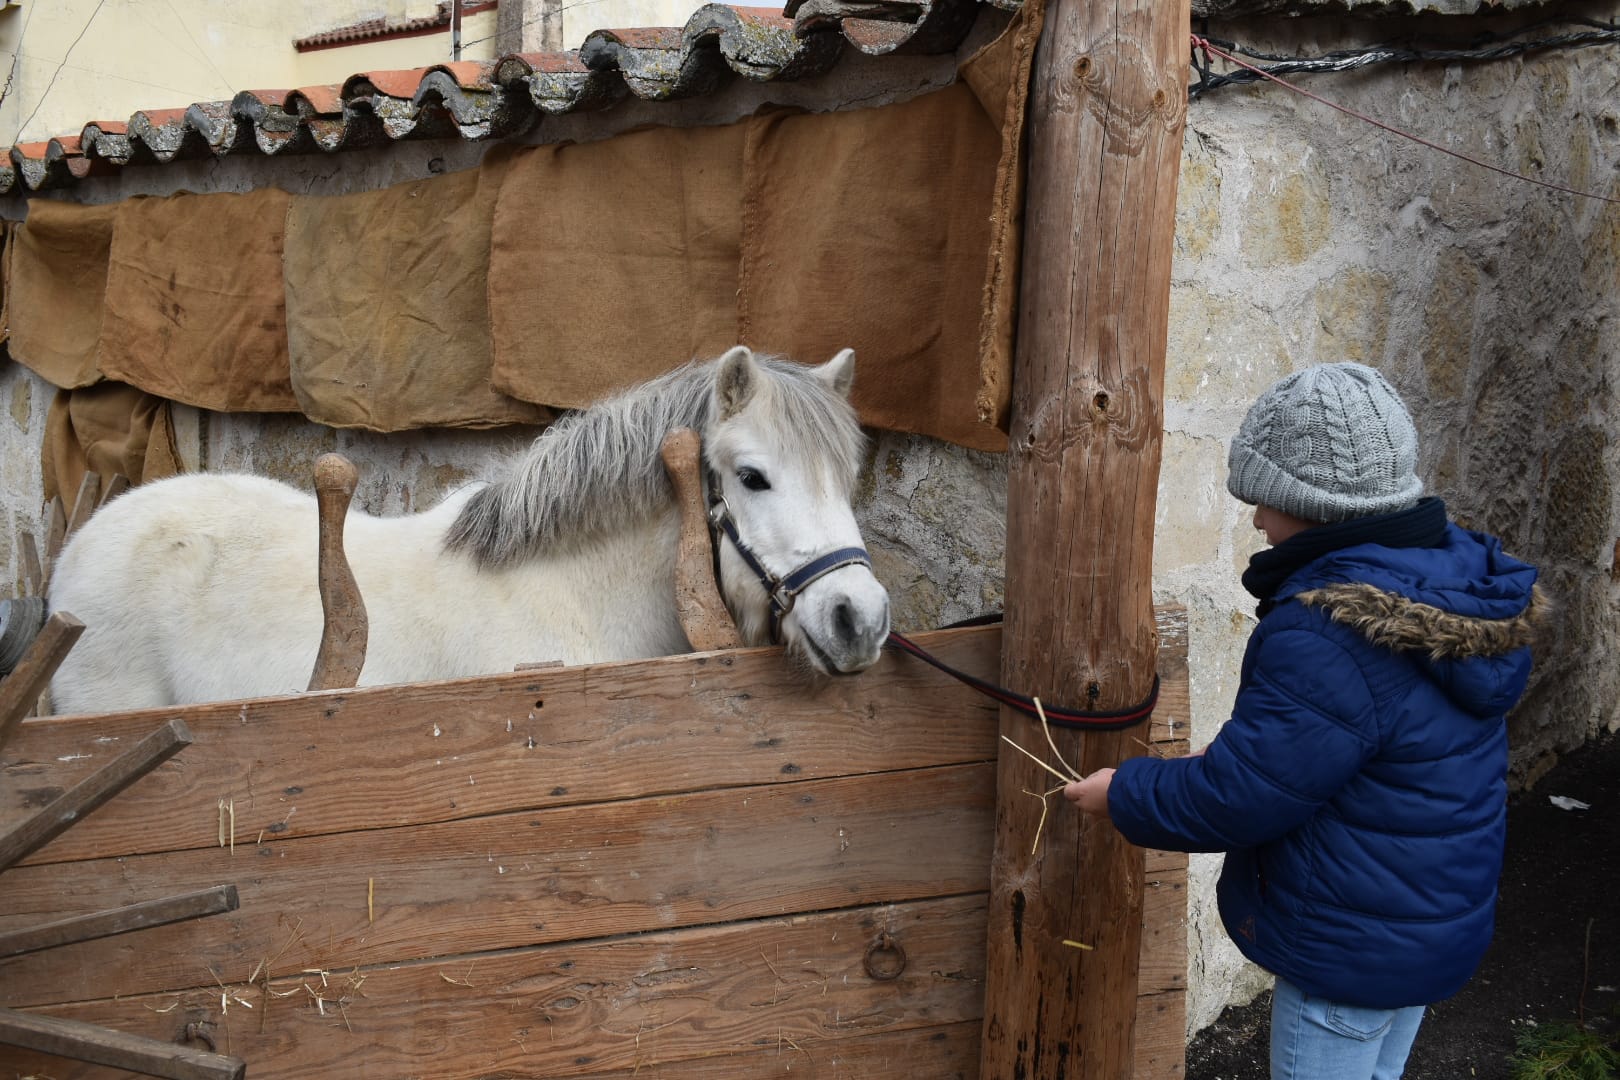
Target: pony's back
{"type": "Point", "coordinates": [196, 560]}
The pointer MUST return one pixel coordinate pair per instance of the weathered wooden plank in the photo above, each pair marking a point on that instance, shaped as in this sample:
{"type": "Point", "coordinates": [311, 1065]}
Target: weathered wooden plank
{"type": "Point", "coordinates": [787, 992]}
{"type": "Point", "coordinates": [55, 533]}
{"type": "Point", "coordinates": [704, 616]}
{"type": "Point", "coordinates": [80, 1041]}
{"type": "Point", "coordinates": [89, 794]}
{"type": "Point", "coordinates": [344, 627]}
{"type": "Point", "coordinates": [393, 756]}
{"type": "Point", "coordinates": [1163, 965]}
{"type": "Point", "coordinates": [22, 687]}
{"type": "Point", "coordinates": [517, 879]}
{"type": "Point", "coordinates": [946, 1052]}
{"type": "Point", "coordinates": [141, 916]}
{"type": "Point", "coordinates": [32, 567]}
{"type": "Point", "coordinates": [84, 503]}
{"type": "Point", "coordinates": [1160, 1038]}
{"type": "Point", "coordinates": [115, 487]}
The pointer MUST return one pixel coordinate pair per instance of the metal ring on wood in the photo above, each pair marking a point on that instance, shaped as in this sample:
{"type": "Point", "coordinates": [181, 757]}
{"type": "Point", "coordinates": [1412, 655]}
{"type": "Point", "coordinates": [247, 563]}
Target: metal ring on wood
{"type": "Point", "coordinates": [884, 959]}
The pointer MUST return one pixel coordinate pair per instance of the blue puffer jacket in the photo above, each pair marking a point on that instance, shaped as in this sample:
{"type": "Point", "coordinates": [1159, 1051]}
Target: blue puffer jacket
{"type": "Point", "coordinates": [1360, 786]}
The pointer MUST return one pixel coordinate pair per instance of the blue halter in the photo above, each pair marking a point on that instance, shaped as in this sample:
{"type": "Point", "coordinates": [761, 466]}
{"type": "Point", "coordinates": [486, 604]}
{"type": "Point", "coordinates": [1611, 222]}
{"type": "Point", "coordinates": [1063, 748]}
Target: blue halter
{"type": "Point", "coordinates": [783, 591]}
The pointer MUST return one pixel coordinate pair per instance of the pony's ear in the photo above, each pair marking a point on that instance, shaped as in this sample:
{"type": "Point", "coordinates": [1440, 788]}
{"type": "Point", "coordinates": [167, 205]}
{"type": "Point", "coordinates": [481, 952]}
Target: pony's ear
{"type": "Point", "coordinates": [839, 372]}
{"type": "Point", "coordinates": [734, 383]}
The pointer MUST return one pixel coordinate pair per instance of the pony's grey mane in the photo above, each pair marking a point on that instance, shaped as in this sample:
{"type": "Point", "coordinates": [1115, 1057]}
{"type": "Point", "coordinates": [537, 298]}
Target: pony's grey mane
{"type": "Point", "coordinates": [599, 469]}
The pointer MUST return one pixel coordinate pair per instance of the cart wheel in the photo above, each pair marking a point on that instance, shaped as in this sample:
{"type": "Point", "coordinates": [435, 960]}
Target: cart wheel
{"type": "Point", "coordinates": [21, 620]}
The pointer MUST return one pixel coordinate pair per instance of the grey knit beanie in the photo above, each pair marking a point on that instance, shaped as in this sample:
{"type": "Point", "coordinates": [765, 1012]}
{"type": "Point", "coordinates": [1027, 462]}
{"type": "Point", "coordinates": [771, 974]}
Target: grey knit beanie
{"type": "Point", "coordinates": [1328, 443]}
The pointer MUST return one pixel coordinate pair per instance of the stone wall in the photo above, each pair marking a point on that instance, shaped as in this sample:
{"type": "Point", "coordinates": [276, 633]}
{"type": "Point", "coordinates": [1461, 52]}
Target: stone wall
{"type": "Point", "coordinates": [1302, 236]}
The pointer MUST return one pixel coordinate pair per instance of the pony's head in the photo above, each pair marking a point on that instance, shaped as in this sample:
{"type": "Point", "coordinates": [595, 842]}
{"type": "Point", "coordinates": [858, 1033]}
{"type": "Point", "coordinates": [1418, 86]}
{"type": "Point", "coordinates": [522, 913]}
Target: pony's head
{"type": "Point", "coordinates": [783, 450]}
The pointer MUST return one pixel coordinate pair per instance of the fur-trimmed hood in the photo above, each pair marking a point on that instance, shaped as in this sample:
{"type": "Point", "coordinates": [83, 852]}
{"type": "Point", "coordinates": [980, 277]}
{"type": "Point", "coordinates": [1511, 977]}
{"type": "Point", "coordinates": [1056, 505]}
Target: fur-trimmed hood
{"type": "Point", "coordinates": [1404, 625]}
{"type": "Point", "coordinates": [1465, 609]}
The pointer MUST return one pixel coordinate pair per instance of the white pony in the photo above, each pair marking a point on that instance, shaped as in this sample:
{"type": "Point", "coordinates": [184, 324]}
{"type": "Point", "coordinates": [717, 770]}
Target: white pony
{"type": "Point", "coordinates": [203, 587]}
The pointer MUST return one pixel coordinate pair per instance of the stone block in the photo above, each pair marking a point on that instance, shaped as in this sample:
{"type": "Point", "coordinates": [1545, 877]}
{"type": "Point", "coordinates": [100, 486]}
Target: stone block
{"type": "Point", "coordinates": [1448, 325]}
{"type": "Point", "coordinates": [1352, 312]}
{"type": "Point", "coordinates": [1191, 502]}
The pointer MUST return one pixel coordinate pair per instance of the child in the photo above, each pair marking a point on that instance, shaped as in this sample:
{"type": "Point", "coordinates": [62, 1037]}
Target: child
{"type": "Point", "coordinates": [1360, 787]}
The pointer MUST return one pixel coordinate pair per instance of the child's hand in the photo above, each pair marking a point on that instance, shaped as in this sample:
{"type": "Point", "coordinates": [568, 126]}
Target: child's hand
{"type": "Point", "coordinates": [1091, 794]}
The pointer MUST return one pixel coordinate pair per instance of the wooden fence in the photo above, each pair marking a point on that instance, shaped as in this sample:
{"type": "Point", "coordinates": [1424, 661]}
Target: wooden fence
{"type": "Point", "coordinates": [680, 868]}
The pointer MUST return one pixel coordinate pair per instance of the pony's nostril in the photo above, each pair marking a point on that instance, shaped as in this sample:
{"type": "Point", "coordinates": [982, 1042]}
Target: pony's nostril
{"type": "Point", "coordinates": [844, 621]}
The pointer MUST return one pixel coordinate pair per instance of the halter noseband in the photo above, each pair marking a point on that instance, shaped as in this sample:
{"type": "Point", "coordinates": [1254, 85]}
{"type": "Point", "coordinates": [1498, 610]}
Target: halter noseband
{"type": "Point", "coordinates": [783, 591]}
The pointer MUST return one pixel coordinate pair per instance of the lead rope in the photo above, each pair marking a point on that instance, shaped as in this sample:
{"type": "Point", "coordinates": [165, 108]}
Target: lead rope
{"type": "Point", "coordinates": [1080, 719]}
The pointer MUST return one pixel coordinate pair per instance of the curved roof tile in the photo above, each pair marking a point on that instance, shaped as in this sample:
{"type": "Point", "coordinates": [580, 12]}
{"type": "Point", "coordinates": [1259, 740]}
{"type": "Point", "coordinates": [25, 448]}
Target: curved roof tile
{"type": "Point", "coordinates": [478, 100]}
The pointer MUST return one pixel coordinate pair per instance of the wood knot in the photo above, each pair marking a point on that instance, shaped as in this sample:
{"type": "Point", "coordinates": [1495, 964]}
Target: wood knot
{"type": "Point", "coordinates": [1082, 67]}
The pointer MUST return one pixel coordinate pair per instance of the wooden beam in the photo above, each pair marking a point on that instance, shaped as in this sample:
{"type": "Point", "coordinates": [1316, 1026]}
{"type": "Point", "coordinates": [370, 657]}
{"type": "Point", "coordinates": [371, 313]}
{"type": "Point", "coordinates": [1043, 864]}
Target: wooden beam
{"type": "Point", "coordinates": [91, 792]}
{"type": "Point", "coordinates": [344, 627]}
{"type": "Point", "coordinates": [32, 675]}
{"type": "Point", "coordinates": [703, 614]}
{"type": "Point", "coordinates": [784, 990]}
{"type": "Point", "coordinates": [1106, 112]}
{"type": "Point", "coordinates": [102, 1046]}
{"type": "Point", "coordinates": [115, 487]}
{"type": "Point", "coordinates": [390, 756]}
{"type": "Point", "coordinates": [515, 880]}
{"type": "Point", "coordinates": [55, 535]}
{"type": "Point", "coordinates": [192, 905]}
{"type": "Point", "coordinates": [33, 568]}
{"type": "Point", "coordinates": [84, 503]}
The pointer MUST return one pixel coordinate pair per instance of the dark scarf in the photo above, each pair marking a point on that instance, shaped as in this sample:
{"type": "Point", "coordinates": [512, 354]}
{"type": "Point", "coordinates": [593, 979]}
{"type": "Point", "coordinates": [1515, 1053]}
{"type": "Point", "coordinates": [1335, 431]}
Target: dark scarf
{"type": "Point", "coordinates": [1424, 525]}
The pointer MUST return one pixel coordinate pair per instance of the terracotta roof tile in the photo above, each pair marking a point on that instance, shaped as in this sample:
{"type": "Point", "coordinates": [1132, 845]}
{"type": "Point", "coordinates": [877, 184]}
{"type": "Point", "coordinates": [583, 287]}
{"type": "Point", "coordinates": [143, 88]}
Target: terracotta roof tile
{"type": "Point", "coordinates": [477, 100]}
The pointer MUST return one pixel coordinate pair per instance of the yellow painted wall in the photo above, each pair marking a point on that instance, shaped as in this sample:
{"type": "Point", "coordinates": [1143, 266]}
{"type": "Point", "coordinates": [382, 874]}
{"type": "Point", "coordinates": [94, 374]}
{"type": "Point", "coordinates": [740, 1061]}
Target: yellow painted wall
{"type": "Point", "coordinates": [581, 17]}
{"type": "Point", "coordinates": [74, 61]}
{"type": "Point", "coordinates": [322, 66]}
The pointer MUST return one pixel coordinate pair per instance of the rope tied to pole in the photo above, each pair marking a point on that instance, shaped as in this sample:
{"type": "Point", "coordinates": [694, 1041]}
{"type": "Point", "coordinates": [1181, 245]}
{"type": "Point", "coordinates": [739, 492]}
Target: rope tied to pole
{"type": "Point", "coordinates": [1079, 719]}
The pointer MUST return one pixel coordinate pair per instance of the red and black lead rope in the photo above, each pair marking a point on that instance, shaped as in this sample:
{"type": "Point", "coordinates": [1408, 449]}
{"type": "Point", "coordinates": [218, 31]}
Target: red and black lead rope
{"type": "Point", "coordinates": [1086, 720]}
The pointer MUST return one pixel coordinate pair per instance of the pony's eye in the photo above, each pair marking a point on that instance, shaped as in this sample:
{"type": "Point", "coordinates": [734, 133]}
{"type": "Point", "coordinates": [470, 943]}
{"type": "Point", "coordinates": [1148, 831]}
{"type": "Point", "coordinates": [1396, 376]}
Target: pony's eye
{"type": "Point", "coordinates": [753, 479]}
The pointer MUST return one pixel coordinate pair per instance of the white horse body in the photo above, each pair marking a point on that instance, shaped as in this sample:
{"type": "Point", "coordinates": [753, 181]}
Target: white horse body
{"type": "Point", "coordinates": [204, 587]}
{"type": "Point", "coordinates": [208, 585]}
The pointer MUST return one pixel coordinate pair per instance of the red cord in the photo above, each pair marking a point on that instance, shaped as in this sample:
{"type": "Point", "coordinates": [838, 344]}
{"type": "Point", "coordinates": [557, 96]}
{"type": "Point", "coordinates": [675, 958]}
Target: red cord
{"type": "Point", "coordinates": [1203, 43]}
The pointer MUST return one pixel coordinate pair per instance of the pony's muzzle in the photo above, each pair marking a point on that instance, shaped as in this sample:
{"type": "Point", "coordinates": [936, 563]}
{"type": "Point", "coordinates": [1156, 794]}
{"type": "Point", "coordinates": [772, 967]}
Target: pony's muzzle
{"type": "Point", "coordinates": [859, 626]}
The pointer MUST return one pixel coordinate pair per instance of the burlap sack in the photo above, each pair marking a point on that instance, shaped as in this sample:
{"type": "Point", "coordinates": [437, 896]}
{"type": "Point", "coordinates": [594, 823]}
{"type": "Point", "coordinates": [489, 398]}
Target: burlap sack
{"type": "Point", "coordinates": [56, 284]}
{"type": "Point", "coordinates": [387, 310]}
{"type": "Point", "coordinates": [110, 428]}
{"type": "Point", "coordinates": [195, 309]}
{"type": "Point", "coordinates": [869, 229]}
{"type": "Point", "coordinates": [614, 261]}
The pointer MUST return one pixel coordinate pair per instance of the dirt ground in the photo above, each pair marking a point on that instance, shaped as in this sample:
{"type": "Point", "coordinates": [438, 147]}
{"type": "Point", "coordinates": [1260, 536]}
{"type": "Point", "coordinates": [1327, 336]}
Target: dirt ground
{"type": "Point", "coordinates": [1562, 873]}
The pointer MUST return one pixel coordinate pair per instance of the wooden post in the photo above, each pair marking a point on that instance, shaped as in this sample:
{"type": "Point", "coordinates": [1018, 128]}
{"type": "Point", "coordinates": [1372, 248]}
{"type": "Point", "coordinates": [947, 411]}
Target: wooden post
{"type": "Point", "coordinates": [345, 628]}
{"type": "Point", "coordinates": [703, 614]}
{"type": "Point", "coordinates": [1107, 108]}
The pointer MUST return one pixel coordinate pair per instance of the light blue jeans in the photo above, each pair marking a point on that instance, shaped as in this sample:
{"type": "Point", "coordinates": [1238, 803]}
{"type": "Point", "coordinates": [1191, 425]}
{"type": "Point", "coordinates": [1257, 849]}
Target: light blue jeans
{"type": "Point", "coordinates": [1316, 1039]}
